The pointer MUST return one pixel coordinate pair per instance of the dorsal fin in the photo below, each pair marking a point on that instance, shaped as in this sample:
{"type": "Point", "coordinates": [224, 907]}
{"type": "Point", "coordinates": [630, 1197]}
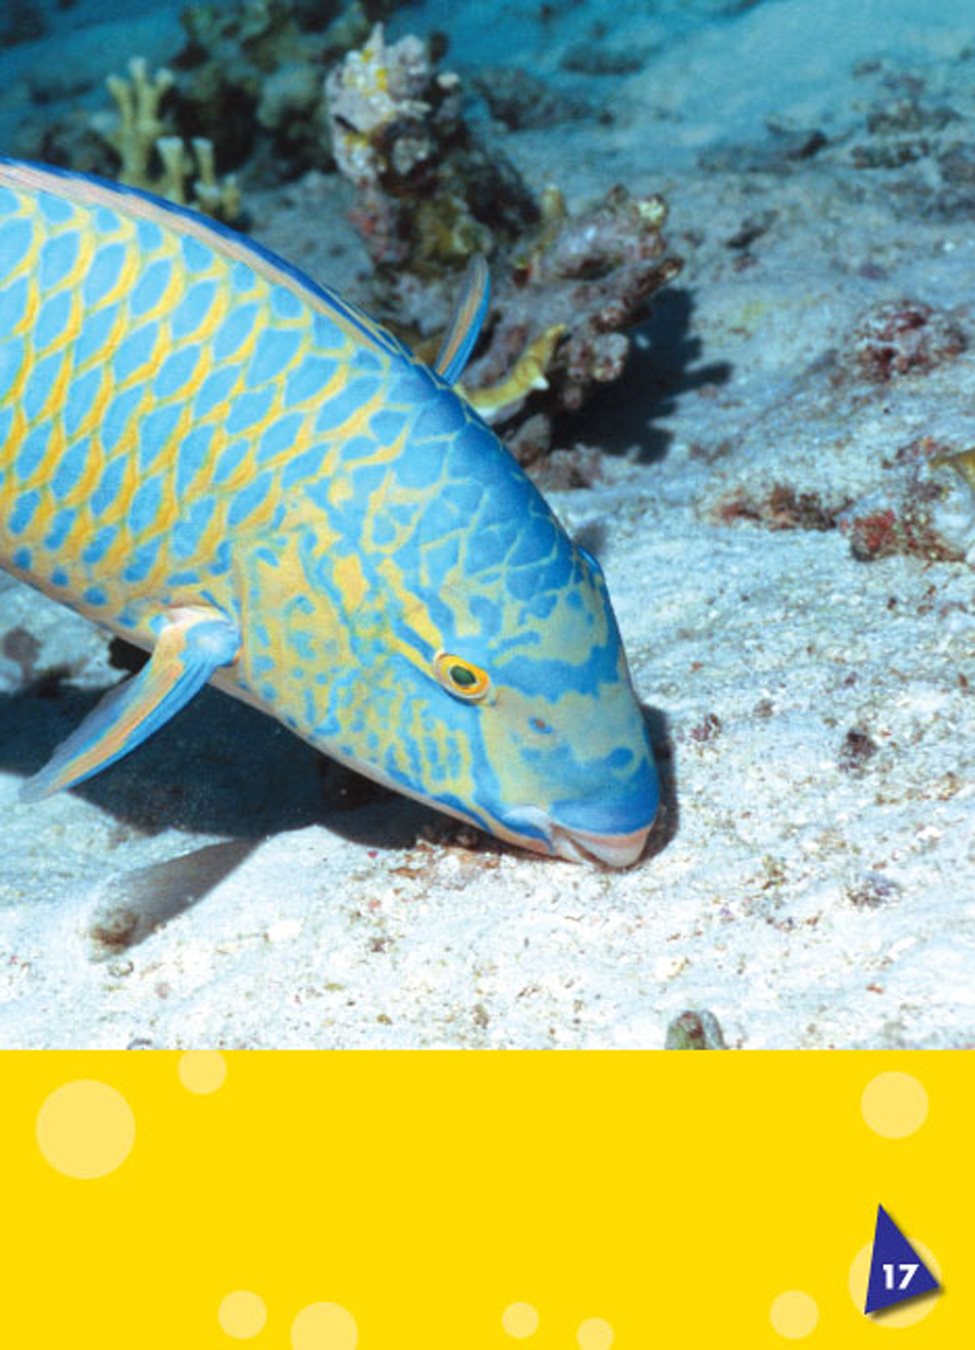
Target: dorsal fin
{"type": "Point", "coordinates": [468, 316]}
{"type": "Point", "coordinates": [84, 190]}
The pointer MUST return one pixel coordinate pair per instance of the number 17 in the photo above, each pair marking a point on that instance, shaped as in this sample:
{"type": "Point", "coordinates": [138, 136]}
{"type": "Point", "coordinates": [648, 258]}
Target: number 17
{"type": "Point", "coordinates": [908, 1271]}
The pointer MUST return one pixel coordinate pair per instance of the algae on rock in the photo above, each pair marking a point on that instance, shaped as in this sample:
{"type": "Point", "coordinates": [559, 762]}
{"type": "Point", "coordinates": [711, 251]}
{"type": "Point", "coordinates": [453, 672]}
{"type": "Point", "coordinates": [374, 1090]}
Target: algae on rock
{"type": "Point", "coordinates": [430, 195]}
{"type": "Point", "coordinates": [251, 78]}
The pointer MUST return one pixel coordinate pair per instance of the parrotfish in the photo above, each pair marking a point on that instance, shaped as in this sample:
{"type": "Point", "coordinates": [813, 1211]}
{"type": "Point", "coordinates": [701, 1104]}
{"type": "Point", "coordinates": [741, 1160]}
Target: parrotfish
{"type": "Point", "coordinates": [224, 462]}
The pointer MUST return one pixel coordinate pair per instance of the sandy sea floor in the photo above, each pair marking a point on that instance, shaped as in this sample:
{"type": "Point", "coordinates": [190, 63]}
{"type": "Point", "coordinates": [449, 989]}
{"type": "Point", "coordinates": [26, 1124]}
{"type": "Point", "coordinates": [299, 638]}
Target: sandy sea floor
{"type": "Point", "coordinates": [812, 879]}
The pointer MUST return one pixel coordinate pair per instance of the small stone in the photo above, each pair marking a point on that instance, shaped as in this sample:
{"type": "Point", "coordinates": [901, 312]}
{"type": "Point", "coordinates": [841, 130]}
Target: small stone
{"type": "Point", "coordinates": [695, 1029]}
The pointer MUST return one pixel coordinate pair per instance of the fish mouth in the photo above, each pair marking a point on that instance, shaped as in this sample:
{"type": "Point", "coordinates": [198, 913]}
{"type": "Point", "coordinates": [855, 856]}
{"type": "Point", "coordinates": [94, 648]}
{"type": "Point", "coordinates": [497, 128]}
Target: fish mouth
{"type": "Point", "coordinates": [575, 845]}
{"type": "Point", "coordinates": [608, 850]}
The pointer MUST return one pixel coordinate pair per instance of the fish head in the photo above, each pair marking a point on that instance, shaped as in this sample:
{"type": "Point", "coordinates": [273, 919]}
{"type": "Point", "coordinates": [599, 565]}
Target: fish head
{"type": "Point", "coordinates": [559, 755]}
{"type": "Point", "coordinates": [500, 691]}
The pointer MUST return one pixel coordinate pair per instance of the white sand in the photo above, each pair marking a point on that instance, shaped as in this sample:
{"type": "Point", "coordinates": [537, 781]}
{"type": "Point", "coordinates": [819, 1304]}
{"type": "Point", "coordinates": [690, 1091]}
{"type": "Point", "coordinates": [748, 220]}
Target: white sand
{"type": "Point", "coordinates": [808, 897]}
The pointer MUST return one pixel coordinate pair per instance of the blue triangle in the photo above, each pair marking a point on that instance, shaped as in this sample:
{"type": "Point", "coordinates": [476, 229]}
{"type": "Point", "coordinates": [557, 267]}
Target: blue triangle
{"type": "Point", "coordinates": [897, 1273]}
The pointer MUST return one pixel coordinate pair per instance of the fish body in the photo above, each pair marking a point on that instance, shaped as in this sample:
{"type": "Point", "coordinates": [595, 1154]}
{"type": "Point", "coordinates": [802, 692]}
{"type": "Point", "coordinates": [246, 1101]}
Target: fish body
{"type": "Point", "coordinates": [217, 459]}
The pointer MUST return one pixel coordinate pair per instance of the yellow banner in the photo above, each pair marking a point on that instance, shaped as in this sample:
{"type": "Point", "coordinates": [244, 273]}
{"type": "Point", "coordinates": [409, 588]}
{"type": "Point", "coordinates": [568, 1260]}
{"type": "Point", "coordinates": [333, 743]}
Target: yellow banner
{"type": "Point", "coordinates": [461, 1201]}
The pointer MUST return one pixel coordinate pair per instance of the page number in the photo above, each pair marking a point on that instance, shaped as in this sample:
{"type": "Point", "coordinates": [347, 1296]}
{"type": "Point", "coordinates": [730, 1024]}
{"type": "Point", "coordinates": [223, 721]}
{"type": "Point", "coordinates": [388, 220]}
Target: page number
{"type": "Point", "coordinates": [907, 1270]}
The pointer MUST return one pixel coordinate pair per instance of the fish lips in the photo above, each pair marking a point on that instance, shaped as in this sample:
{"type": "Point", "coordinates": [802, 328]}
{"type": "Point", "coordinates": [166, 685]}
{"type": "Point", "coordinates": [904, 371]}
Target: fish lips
{"type": "Point", "coordinates": [609, 850]}
{"type": "Point", "coordinates": [608, 832]}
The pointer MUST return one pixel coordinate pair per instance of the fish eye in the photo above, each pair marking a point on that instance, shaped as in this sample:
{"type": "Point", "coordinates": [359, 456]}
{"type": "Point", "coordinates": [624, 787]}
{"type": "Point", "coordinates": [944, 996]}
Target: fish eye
{"type": "Point", "coordinates": [461, 678]}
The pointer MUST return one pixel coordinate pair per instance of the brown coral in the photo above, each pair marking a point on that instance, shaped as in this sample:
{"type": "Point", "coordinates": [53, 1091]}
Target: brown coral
{"type": "Point", "coordinates": [588, 275]}
{"type": "Point", "coordinates": [429, 195]}
{"type": "Point", "coordinates": [925, 508]}
{"type": "Point", "coordinates": [251, 78]}
{"type": "Point", "coordinates": [782, 508]}
{"type": "Point", "coordinates": [905, 336]}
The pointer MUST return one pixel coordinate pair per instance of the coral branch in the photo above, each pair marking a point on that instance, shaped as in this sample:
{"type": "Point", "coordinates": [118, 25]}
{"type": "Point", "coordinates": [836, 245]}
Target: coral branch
{"type": "Point", "coordinates": [141, 136]}
{"type": "Point", "coordinates": [430, 195]}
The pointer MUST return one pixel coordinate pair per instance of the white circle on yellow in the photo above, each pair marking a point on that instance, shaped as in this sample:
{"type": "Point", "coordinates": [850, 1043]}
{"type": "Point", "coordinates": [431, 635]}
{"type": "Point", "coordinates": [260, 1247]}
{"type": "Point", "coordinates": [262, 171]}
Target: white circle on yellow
{"type": "Point", "coordinates": [324, 1326]}
{"type": "Point", "coordinates": [85, 1129]}
{"type": "Point", "coordinates": [894, 1104]}
{"type": "Point", "coordinates": [242, 1314]}
{"type": "Point", "coordinates": [794, 1314]}
{"type": "Point", "coordinates": [900, 1315]}
{"type": "Point", "coordinates": [520, 1320]}
{"type": "Point", "coordinates": [594, 1334]}
{"type": "Point", "coordinates": [202, 1071]}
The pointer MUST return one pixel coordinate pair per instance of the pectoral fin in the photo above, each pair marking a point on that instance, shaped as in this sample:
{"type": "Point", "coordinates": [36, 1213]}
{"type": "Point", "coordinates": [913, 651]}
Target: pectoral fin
{"type": "Point", "coordinates": [459, 339]}
{"type": "Point", "coordinates": [192, 645]}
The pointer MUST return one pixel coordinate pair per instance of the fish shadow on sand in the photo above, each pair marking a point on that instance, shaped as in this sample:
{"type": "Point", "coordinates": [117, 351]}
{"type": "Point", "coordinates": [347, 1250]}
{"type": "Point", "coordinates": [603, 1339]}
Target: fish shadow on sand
{"type": "Point", "coordinates": [221, 768]}
{"type": "Point", "coordinates": [217, 768]}
{"type": "Point", "coordinates": [661, 365]}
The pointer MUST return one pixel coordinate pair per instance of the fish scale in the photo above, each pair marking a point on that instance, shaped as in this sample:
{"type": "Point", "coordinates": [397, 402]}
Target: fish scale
{"type": "Point", "coordinates": [215, 457]}
{"type": "Point", "coordinates": [119, 401]}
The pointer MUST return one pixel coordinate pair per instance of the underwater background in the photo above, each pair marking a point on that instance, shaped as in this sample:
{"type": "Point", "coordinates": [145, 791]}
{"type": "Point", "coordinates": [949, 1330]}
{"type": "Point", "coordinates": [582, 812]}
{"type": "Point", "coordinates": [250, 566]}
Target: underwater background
{"type": "Point", "coordinates": [731, 331]}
